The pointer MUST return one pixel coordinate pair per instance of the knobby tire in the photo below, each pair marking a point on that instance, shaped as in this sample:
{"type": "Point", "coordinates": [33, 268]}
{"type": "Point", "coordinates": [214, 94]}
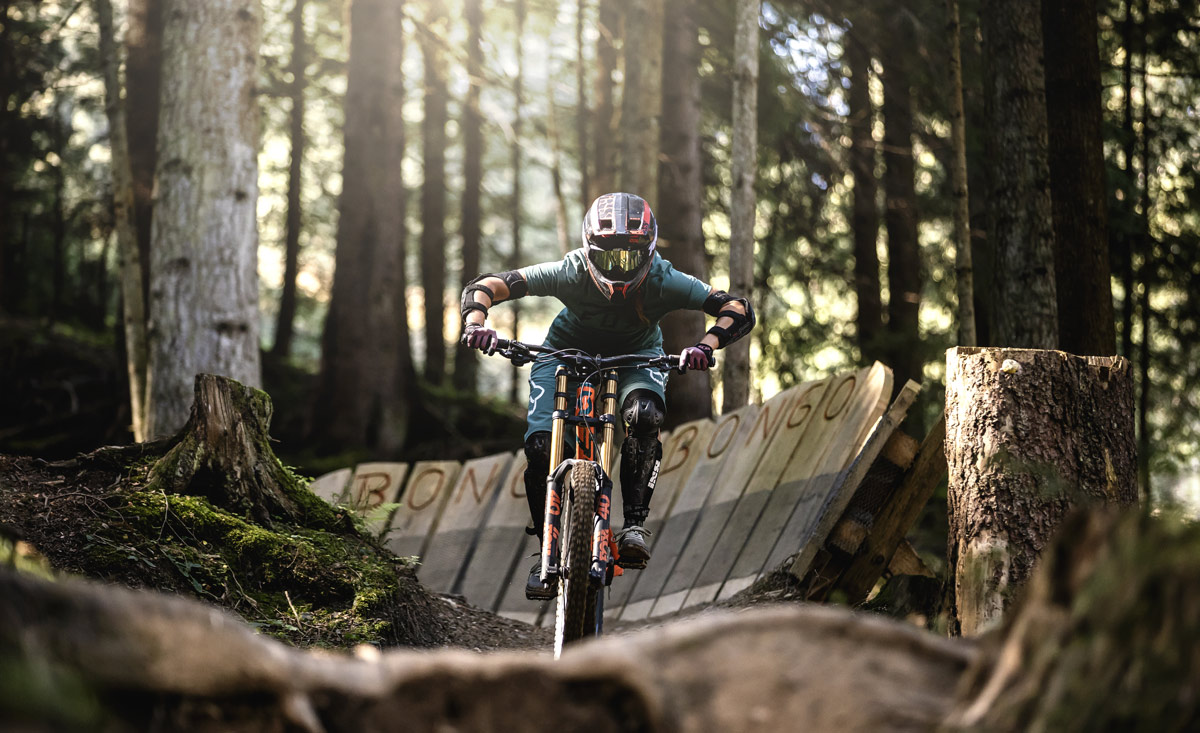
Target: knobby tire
{"type": "Point", "coordinates": [576, 612]}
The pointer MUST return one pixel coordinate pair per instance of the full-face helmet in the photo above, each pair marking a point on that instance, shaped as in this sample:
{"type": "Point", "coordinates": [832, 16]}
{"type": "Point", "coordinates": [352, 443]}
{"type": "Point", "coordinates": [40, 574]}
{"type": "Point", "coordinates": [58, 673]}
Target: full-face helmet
{"type": "Point", "coordinates": [619, 237]}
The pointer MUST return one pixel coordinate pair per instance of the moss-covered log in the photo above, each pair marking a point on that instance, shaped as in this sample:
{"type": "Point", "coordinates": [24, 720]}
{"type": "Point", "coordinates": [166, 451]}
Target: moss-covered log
{"type": "Point", "coordinates": [1106, 638]}
{"type": "Point", "coordinates": [223, 455]}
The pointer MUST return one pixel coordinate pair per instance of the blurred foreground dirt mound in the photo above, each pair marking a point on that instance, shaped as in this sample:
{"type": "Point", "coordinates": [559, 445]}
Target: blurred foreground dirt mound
{"type": "Point", "coordinates": [101, 655]}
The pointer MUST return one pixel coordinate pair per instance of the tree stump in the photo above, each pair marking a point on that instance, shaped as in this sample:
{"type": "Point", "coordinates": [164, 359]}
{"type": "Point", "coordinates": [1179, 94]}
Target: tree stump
{"type": "Point", "coordinates": [223, 454]}
{"type": "Point", "coordinates": [1029, 434]}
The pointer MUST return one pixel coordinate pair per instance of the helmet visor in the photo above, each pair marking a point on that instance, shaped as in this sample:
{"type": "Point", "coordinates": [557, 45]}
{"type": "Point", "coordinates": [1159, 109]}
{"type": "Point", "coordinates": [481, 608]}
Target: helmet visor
{"type": "Point", "coordinates": [613, 263]}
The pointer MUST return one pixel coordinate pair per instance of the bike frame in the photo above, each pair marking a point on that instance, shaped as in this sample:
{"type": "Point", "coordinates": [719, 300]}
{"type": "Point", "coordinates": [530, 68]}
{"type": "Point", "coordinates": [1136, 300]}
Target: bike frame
{"type": "Point", "coordinates": [589, 370]}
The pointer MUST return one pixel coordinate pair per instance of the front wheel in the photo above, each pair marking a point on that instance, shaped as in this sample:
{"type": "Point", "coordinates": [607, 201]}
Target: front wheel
{"type": "Point", "coordinates": [576, 612]}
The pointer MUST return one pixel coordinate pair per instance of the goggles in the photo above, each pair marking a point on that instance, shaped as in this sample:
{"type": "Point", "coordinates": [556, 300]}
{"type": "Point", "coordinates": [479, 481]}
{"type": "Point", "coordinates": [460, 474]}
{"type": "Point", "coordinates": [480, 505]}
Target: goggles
{"type": "Point", "coordinates": [617, 260]}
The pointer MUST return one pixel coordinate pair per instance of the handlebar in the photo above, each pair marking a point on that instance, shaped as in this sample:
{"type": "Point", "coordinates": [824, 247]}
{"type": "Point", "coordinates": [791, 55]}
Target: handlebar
{"type": "Point", "coordinates": [520, 353]}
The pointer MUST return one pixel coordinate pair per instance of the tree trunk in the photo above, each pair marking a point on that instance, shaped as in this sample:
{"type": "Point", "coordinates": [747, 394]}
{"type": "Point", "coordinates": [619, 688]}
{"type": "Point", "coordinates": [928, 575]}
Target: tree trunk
{"type": "Point", "coordinates": [680, 194]}
{"type": "Point", "coordinates": [565, 243]}
{"type": "Point", "coordinates": [604, 169]}
{"type": "Point", "coordinates": [964, 275]}
{"type": "Point", "coordinates": [143, 82]}
{"type": "Point", "coordinates": [466, 361]}
{"type": "Point", "coordinates": [224, 455]}
{"type": "Point", "coordinates": [1083, 277]}
{"type": "Point", "coordinates": [641, 99]}
{"type": "Point", "coordinates": [204, 281]}
{"type": "Point", "coordinates": [433, 191]}
{"type": "Point", "coordinates": [581, 109]}
{"type": "Point", "coordinates": [7, 184]}
{"type": "Point", "coordinates": [1125, 237]}
{"type": "Point", "coordinates": [291, 258]}
{"type": "Point", "coordinates": [869, 319]}
{"type": "Point", "coordinates": [900, 216]}
{"type": "Point", "coordinates": [1029, 434]}
{"type": "Point", "coordinates": [362, 398]}
{"type": "Point", "coordinates": [1025, 310]}
{"type": "Point", "coordinates": [515, 262]}
{"type": "Point", "coordinates": [59, 134]}
{"type": "Point", "coordinates": [1146, 276]}
{"type": "Point", "coordinates": [133, 307]}
{"type": "Point", "coordinates": [744, 162]}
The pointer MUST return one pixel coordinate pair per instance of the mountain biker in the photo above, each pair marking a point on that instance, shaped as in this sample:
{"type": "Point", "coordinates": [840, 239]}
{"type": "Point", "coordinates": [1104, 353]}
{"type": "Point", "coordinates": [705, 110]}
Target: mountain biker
{"type": "Point", "coordinates": [615, 289]}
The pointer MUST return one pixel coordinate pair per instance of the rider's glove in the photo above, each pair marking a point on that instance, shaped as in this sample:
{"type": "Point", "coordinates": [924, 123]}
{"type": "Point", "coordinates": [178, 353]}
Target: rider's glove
{"type": "Point", "coordinates": [698, 357]}
{"type": "Point", "coordinates": [480, 337]}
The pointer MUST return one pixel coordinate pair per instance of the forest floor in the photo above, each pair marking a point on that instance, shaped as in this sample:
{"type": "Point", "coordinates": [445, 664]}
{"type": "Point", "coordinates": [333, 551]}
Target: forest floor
{"type": "Point", "coordinates": [83, 517]}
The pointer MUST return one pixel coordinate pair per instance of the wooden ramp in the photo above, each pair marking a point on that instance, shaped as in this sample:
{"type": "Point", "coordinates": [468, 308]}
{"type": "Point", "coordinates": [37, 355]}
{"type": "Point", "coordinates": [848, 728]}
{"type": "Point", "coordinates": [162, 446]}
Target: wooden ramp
{"type": "Point", "coordinates": [736, 497]}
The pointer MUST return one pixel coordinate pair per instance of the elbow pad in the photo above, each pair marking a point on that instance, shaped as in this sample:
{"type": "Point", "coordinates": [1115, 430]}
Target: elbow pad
{"type": "Point", "coordinates": [468, 297]}
{"type": "Point", "coordinates": [517, 288]}
{"type": "Point", "coordinates": [742, 324]}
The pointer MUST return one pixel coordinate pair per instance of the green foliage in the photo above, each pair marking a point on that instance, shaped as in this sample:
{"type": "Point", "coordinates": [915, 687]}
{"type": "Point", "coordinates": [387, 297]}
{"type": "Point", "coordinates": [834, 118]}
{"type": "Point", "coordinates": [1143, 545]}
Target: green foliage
{"type": "Point", "coordinates": [57, 221]}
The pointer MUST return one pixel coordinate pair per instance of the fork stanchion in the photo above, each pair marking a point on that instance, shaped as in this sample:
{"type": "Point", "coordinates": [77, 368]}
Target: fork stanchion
{"type": "Point", "coordinates": [608, 407]}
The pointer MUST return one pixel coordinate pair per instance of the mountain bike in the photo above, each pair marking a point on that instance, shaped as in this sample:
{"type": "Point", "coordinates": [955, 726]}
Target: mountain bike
{"type": "Point", "coordinates": [578, 551]}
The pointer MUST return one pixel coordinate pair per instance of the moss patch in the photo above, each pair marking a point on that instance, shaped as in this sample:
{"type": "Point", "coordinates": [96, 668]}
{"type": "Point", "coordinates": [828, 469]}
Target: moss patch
{"type": "Point", "coordinates": [309, 586]}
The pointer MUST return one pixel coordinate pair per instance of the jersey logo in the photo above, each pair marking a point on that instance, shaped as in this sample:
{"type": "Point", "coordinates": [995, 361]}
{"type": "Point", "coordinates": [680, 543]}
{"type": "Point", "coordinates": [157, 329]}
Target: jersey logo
{"type": "Point", "coordinates": [533, 399]}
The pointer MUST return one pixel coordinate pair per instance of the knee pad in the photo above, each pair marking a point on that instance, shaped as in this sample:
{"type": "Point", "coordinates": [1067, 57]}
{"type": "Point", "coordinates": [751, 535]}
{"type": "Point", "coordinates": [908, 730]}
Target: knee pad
{"type": "Point", "coordinates": [641, 456]}
{"type": "Point", "coordinates": [643, 412]}
{"type": "Point", "coordinates": [537, 453]}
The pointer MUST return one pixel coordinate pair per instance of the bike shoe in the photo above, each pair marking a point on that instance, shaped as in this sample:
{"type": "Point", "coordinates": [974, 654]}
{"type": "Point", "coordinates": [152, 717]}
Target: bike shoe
{"type": "Point", "coordinates": [535, 589]}
{"type": "Point", "coordinates": [632, 551]}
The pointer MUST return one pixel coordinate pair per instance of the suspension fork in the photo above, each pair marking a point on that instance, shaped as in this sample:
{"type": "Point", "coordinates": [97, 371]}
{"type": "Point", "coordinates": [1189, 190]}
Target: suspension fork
{"type": "Point", "coordinates": [602, 542]}
{"type": "Point", "coordinates": [552, 524]}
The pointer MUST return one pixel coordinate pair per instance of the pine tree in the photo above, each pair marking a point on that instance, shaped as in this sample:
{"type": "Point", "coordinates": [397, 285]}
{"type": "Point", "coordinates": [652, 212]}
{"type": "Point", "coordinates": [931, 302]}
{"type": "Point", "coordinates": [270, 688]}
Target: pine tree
{"type": "Point", "coordinates": [203, 265]}
{"type": "Point", "coordinates": [736, 374]}
{"type": "Point", "coordinates": [1025, 310]}
{"type": "Point", "coordinates": [365, 389]}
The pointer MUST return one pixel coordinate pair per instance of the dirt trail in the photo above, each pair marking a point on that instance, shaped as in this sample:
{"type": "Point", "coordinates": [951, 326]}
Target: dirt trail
{"type": "Point", "coordinates": [76, 515]}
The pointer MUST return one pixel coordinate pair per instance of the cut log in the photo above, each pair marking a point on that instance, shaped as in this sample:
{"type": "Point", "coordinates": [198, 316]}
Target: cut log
{"type": "Point", "coordinates": [223, 455]}
{"type": "Point", "coordinates": [1029, 434]}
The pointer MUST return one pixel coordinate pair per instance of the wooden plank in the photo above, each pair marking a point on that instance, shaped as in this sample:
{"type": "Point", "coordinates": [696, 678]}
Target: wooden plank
{"type": "Point", "coordinates": [800, 432]}
{"type": "Point", "coordinates": [681, 451]}
{"type": "Point", "coordinates": [898, 515]}
{"type": "Point", "coordinates": [815, 532]}
{"type": "Point", "coordinates": [707, 455]}
{"type": "Point", "coordinates": [906, 561]}
{"type": "Point", "coordinates": [424, 496]}
{"type": "Point", "coordinates": [332, 486]}
{"type": "Point", "coordinates": [372, 491]}
{"type": "Point", "coordinates": [810, 488]}
{"type": "Point", "coordinates": [501, 540]}
{"type": "Point", "coordinates": [731, 480]}
{"type": "Point", "coordinates": [458, 527]}
{"type": "Point", "coordinates": [851, 401]}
